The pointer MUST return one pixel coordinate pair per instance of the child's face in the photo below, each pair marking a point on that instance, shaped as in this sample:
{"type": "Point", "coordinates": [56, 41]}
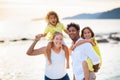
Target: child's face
{"type": "Point", "coordinates": [53, 20]}
{"type": "Point", "coordinates": [58, 39]}
{"type": "Point", "coordinates": [87, 34]}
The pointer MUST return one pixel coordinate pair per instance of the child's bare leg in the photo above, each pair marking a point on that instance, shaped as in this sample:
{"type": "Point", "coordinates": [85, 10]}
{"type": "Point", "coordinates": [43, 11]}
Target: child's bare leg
{"type": "Point", "coordinates": [66, 55]}
{"type": "Point", "coordinates": [86, 70]}
{"type": "Point", "coordinates": [48, 51]}
{"type": "Point", "coordinates": [73, 77]}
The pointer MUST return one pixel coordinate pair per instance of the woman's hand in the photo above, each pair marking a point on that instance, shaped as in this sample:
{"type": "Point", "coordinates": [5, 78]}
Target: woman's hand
{"type": "Point", "coordinates": [37, 37]}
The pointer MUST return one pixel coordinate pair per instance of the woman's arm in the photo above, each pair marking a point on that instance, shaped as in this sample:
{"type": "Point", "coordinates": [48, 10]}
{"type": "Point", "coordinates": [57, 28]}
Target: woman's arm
{"type": "Point", "coordinates": [31, 51]}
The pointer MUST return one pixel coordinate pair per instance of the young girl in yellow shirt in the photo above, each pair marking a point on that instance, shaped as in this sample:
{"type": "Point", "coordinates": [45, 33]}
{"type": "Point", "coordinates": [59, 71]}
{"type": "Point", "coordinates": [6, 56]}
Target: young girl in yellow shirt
{"type": "Point", "coordinates": [53, 26]}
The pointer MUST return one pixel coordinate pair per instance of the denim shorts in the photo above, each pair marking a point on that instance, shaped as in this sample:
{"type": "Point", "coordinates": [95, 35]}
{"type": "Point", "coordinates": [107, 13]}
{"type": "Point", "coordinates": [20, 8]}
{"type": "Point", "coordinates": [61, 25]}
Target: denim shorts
{"type": "Point", "coordinates": [92, 76]}
{"type": "Point", "coordinates": [66, 77]}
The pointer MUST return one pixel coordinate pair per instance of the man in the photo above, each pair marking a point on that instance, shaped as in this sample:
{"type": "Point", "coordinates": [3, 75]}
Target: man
{"type": "Point", "coordinates": [81, 52]}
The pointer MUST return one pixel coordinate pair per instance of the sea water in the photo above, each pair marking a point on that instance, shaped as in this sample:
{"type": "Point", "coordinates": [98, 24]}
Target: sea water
{"type": "Point", "coordinates": [29, 28]}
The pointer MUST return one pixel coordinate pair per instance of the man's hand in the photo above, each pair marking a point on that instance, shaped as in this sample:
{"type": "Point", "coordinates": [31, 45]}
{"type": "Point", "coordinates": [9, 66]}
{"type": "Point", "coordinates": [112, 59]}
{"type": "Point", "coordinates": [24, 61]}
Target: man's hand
{"type": "Point", "coordinates": [96, 67]}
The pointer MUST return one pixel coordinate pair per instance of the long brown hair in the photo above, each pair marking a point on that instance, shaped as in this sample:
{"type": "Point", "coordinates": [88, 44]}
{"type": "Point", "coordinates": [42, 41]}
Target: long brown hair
{"type": "Point", "coordinates": [82, 32]}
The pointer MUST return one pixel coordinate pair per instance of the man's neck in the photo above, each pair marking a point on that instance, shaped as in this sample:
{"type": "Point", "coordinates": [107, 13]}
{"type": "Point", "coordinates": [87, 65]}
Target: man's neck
{"type": "Point", "coordinates": [76, 39]}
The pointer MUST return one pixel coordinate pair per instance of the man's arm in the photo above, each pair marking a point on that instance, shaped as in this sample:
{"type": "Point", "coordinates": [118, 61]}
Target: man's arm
{"type": "Point", "coordinates": [89, 51]}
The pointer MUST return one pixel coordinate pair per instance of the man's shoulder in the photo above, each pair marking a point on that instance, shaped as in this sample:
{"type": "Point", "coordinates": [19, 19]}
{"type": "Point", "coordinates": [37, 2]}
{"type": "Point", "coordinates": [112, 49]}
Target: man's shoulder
{"type": "Point", "coordinates": [80, 39]}
{"type": "Point", "coordinates": [84, 44]}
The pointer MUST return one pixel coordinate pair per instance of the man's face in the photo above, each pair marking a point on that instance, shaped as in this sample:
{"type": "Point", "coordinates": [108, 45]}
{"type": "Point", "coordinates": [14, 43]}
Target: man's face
{"type": "Point", "coordinates": [73, 33]}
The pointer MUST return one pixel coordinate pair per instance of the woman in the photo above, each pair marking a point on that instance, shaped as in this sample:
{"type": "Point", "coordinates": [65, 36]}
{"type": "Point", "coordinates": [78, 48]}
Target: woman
{"type": "Point", "coordinates": [56, 70]}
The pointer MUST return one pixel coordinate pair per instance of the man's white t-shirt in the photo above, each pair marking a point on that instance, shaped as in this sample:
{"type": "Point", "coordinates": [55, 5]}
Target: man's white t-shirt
{"type": "Point", "coordinates": [79, 54]}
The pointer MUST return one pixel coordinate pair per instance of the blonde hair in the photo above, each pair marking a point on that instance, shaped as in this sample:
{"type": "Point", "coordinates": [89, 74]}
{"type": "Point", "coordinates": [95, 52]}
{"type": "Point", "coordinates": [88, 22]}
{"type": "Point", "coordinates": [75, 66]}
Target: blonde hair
{"type": "Point", "coordinates": [56, 33]}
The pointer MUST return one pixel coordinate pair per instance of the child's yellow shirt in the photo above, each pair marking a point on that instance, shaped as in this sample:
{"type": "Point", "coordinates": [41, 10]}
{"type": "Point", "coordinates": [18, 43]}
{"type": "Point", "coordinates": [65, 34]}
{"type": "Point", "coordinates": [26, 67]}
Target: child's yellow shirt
{"type": "Point", "coordinates": [50, 30]}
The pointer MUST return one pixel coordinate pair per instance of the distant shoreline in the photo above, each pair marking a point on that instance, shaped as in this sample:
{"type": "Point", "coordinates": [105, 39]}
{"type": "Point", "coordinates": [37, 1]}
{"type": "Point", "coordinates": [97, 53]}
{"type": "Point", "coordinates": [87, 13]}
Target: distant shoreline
{"type": "Point", "coordinates": [110, 14]}
{"type": "Point", "coordinates": [101, 38]}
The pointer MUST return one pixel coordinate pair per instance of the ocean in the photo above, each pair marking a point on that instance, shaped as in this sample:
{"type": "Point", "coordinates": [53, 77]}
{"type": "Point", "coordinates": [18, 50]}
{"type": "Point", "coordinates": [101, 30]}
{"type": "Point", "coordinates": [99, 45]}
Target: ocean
{"type": "Point", "coordinates": [16, 65]}
{"type": "Point", "coordinates": [29, 28]}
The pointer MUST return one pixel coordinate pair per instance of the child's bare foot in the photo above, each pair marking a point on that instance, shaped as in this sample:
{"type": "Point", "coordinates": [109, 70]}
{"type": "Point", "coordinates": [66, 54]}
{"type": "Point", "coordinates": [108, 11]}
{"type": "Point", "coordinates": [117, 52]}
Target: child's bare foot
{"type": "Point", "coordinates": [50, 62]}
{"type": "Point", "coordinates": [67, 65]}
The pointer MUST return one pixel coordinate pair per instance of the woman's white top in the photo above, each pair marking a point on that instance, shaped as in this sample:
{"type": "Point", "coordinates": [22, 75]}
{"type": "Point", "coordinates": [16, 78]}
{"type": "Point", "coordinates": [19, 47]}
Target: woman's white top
{"type": "Point", "coordinates": [57, 69]}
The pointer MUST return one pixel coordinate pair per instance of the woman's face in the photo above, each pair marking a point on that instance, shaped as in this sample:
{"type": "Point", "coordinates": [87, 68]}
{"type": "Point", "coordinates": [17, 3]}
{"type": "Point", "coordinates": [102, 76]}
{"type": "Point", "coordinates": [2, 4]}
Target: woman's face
{"type": "Point", "coordinates": [87, 34]}
{"type": "Point", "coordinates": [53, 20]}
{"type": "Point", "coordinates": [58, 39]}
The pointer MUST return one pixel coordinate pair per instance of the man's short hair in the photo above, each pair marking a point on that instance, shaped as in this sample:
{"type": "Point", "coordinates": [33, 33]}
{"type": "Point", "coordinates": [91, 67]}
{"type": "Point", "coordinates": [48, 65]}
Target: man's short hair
{"type": "Point", "coordinates": [76, 26]}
